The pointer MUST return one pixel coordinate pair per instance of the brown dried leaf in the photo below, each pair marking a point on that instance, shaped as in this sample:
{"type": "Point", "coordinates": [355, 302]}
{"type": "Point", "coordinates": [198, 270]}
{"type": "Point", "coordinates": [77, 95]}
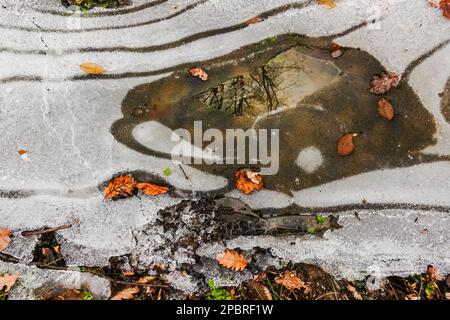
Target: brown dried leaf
{"type": "Point", "coordinates": [385, 109]}
{"type": "Point", "coordinates": [119, 188]}
{"type": "Point", "coordinates": [5, 239]}
{"type": "Point", "coordinates": [247, 181]}
{"type": "Point", "coordinates": [46, 252]}
{"type": "Point", "coordinates": [384, 82]}
{"type": "Point", "coordinates": [232, 260]}
{"type": "Point", "coordinates": [260, 276]}
{"type": "Point", "coordinates": [70, 295]}
{"type": "Point", "coordinates": [92, 68]}
{"type": "Point", "coordinates": [345, 145]}
{"type": "Point", "coordinates": [8, 281]}
{"type": "Point", "coordinates": [254, 20]}
{"type": "Point", "coordinates": [57, 250]}
{"type": "Point", "coordinates": [355, 294]}
{"type": "Point", "coordinates": [433, 3]}
{"type": "Point", "coordinates": [336, 50]}
{"type": "Point", "coordinates": [151, 189]}
{"type": "Point", "coordinates": [126, 294]}
{"type": "Point", "coordinates": [290, 281]}
{"type": "Point", "coordinates": [330, 4]}
{"type": "Point", "coordinates": [146, 279]}
{"type": "Point", "coordinates": [199, 72]}
{"type": "Point", "coordinates": [433, 273]}
{"type": "Point", "coordinates": [260, 290]}
{"type": "Point", "coordinates": [445, 6]}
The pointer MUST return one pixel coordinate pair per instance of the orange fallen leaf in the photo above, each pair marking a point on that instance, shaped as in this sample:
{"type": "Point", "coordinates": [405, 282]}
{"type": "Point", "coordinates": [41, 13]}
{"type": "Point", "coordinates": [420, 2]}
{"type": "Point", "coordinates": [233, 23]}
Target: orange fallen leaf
{"type": "Point", "coordinates": [330, 4]}
{"type": "Point", "coordinates": [445, 6]}
{"type": "Point", "coordinates": [146, 279]}
{"type": "Point", "coordinates": [128, 273]}
{"type": "Point", "coordinates": [345, 144]}
{"type": "Point", "coordinates": [384, 82]}
{"type": "Point", "coordinates": [126, 294]}
{"type": "Point", "coordinates": [247, 181]}
{"type": "Point", "coordinates": [68, 295]}
{"type": "Point", "coordinates": [433, 273]}
{"type": "Point", "coordinates": [8, 281]}
{"type": "Point", "coordinates": [21, 151]}
{"type": "Point", "coordinates": [92, 68]}
{"type": "Point", "coordinates": [385, 109]}
{"type": "Point", "coordinates": [254, 20]}
{"type": "Point", "coordinates": [151, 189]}
{"type": "Point", "coordinates": [199, 72]}
{"type": "Point", "coordinates": [122, 186]}
{"type": "Point", "coordinates": [290, 281]}
{"type": "Point", "coordinates": [232, 260]}
{"type": "Point", "coordinates": [5, 239]}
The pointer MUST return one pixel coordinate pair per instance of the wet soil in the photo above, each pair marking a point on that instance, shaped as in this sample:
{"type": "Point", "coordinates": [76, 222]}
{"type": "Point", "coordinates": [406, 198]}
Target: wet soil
{"type": "Point", "coordinates": [318, 120]}
{"type": "Point", "coordinates": [47, 252]}
{"type": "Point", "coordinates": [222, 218]}
{"type": "Point", "coordinates": [445, 102]}
{"type": "Point", "coordinates": [319, 285]}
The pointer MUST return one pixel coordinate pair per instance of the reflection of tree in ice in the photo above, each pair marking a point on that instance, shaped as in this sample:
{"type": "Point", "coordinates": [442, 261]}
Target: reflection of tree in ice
{"type": "Point", "coordinates": [250, 94]}
{"type": "Point", "coordinates": [282, 82]}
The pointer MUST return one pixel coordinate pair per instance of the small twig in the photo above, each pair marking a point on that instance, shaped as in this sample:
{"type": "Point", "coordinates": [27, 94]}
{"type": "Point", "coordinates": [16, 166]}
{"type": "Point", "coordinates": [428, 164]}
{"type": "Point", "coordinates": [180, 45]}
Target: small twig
{"type": "Point", "coordinates": [44, 265]}
{"type": "Point", "coordinates": [185, 175]}
{"type": "Point", "coordinates": [139, 284]}
{"type": "Point", "coordinates": [8, 258]}
{"type": "Point", "coordinates": [334, 289]}
{"type": "Point", "coordinates": [326, 294]}
{"type": "Point", "coordinates": [45, 230]}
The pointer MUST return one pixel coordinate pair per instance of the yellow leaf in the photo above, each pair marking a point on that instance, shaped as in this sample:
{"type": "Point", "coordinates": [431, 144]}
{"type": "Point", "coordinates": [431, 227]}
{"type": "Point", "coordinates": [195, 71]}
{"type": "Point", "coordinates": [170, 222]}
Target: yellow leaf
{"type": "Point", "coordinates": [330, 4]}
{"type": "Point", "coordinates": [92, 68]}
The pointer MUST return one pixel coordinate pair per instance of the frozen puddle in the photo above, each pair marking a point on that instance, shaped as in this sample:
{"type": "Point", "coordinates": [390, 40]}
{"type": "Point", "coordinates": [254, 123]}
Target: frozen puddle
{"type": "Point", "coordinates": [78, 131]}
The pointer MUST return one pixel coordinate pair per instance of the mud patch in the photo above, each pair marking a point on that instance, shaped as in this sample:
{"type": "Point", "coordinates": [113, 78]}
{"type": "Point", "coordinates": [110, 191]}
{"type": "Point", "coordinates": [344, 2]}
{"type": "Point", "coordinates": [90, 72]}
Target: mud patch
{"type": "Point", "coordinates": [47, 252]}
{"type": "Point", "coordinates": [445, 102]}
{"type": "Point", "coordinates": [316, 284]}
{"type": "Point", "coordinates": [181, 229]}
